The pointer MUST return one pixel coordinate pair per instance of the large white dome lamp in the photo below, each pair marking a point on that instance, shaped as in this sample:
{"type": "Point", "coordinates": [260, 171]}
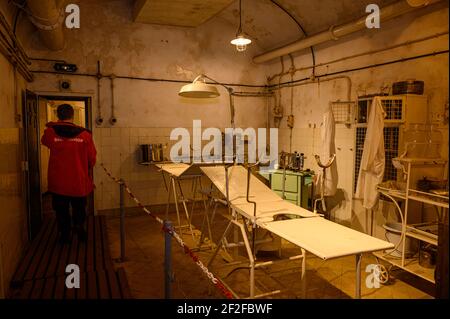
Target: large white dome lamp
{"type": "Point", "coordinates": [199, 89]}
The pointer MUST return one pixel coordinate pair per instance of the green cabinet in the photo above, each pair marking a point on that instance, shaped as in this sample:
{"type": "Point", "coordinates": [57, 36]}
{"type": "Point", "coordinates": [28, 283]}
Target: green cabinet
{"type": "Point", "coordinates": [298, 188]}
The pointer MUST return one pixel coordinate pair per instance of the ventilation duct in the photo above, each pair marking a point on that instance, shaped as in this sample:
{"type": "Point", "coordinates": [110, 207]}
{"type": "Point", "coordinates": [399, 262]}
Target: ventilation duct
{"type": "Point", "coordinates": [47, 16]}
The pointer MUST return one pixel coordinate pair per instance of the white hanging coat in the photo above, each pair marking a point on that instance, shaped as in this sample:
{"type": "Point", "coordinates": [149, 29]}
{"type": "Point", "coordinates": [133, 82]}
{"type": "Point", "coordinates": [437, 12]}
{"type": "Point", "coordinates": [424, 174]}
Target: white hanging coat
{"type": "Point", "coordinates": [372, 166]}
{"type": "Point", "coordinates": [327, 150]}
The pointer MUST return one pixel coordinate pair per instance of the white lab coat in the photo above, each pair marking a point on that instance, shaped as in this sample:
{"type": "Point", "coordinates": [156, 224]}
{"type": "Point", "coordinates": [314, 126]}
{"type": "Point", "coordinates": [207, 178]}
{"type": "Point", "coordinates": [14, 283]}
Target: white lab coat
{"type": "Point", "coordinates": [327, 150]}
{"type": "Point", "coordinates": [372, 166]}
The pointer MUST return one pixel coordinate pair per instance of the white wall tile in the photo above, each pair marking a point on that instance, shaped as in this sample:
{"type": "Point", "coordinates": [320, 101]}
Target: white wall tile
{"type": "Point", "coordinates": [105, 131]}
{"type": "Point", "coordinates": [115, 131]}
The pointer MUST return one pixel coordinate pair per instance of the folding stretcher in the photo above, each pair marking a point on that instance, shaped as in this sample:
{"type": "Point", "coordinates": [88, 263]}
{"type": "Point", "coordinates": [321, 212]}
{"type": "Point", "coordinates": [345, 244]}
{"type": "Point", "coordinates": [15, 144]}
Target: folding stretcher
{"type": "Point", "coordinates": [176, 173]}
{"type": "Point", "coordinates": [260, 206]}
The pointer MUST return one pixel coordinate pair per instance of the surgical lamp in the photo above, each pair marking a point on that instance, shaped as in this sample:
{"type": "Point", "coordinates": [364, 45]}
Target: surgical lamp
{"type": "Point", "coordinates": [199, 89]}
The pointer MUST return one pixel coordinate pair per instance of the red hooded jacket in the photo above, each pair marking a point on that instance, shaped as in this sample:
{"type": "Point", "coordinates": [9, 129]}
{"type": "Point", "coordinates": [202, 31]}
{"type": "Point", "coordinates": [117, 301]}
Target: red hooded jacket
{"type": "Point", "coordinates": [72, 156]}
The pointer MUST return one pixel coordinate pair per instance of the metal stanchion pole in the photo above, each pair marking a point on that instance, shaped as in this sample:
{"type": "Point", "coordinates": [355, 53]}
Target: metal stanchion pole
{"type": "Point", "coordinates": [167, 260]}
{"type": "Point", "coordinates": [122, 221]}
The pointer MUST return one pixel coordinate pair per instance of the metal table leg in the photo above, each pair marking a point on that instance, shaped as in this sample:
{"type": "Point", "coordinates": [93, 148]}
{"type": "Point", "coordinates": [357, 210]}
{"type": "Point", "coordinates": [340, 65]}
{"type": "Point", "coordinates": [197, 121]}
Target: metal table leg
{"type": "Point", "coordinates": [186, 212]}
{"type": "Point", "coordinates": [303, 278]}
{"type": "Point", "coordinates": [172, 181]}
{"type": "Point", "coordinates": [358, 276]}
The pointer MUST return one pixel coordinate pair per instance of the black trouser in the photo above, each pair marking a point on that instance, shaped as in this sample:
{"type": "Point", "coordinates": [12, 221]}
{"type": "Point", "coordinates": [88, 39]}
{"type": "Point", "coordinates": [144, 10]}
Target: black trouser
{"type": "Point", "coordinates": [61, 206]}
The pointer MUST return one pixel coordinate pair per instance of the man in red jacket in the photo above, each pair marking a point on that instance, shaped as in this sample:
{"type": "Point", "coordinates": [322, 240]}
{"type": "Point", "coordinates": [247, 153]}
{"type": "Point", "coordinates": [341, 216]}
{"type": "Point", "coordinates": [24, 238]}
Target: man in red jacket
{"type": "Point", "coordinates": [72, 156]}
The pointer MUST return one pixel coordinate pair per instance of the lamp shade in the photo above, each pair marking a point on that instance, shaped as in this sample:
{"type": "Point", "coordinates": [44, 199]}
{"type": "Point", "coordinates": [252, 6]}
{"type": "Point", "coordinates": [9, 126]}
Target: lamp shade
{"type": "Point", "coordinates": [241, 41]}
{"type": "Point", "coordinates": [199, 89]}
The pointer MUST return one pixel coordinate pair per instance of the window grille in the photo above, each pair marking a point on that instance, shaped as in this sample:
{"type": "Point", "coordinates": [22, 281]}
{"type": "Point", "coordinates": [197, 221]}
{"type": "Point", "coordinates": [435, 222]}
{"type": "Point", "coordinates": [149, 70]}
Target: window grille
{"type": "Point", "coordinates": [391, 145]}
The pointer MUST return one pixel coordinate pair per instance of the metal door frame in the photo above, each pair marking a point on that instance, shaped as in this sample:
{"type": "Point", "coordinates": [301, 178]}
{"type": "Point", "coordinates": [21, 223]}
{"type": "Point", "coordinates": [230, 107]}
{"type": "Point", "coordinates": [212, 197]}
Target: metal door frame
{"type": "Point", "coordinates": [34, 210]}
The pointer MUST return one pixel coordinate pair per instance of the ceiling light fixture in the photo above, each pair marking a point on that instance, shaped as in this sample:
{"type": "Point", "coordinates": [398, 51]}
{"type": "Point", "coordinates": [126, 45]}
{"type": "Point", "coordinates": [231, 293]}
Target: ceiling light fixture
{"type": "Point", "coordinates": [199, 89]}
{"type": "Point", "coordinates": [241, 41]}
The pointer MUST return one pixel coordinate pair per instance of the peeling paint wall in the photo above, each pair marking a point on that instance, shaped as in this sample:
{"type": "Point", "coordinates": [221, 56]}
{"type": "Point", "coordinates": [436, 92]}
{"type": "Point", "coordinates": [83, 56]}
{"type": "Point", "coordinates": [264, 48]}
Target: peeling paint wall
{"type": "Point", "coordinates": [311, 100]}
{"type": "Point", "coordinates": [147, 111]}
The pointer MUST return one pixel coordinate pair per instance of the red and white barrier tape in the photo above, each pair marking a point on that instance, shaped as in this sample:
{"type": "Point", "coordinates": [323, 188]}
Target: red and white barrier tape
{"type": "Point", "coordinates": [177, 237]}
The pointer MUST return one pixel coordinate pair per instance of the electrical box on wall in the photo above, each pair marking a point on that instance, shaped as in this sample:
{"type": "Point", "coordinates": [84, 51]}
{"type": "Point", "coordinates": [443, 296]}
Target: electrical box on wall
{"type": "Point", "coordinates": [65, 85]}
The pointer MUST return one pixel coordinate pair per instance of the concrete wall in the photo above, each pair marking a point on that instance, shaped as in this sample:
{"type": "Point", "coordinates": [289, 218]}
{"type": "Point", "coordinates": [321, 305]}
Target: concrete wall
{"type": "Point", "coordinates": [310, 101]}
{"type": "Point", "coordinates": [147, 111]}
{"type": "Point", "coordinates": [13, 220]}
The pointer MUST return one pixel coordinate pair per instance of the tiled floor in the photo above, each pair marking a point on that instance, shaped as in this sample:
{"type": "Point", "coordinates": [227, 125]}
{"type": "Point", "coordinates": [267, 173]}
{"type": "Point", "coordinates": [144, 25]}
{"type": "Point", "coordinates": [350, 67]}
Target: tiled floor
{"type": "Point", "coordinates": [325, 279]}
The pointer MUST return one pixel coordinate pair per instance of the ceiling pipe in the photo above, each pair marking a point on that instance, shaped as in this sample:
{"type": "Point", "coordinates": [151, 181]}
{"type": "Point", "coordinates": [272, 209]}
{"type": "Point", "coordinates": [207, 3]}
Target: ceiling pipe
{"type": "Point", "coordinates": [47, 16]}
{"type": "Point", "coordinates": [336, 32]}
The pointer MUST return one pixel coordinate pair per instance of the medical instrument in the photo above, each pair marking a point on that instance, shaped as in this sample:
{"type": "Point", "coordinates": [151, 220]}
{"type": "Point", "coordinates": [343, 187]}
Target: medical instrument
{"type": "Point", "coordinates": [322, 188]}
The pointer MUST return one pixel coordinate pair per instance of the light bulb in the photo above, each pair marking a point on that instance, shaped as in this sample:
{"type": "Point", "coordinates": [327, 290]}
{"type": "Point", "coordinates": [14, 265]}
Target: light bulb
{"type": "Point", "coordinates": [241, 47]}
{"type": "Point", "coordinates": [241, 42]}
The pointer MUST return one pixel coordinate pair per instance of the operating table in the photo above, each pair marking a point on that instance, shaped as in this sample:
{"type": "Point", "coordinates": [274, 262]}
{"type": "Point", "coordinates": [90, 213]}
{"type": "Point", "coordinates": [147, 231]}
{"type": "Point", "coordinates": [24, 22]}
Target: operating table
{"type": "Point", "coordinates": [251, 199]}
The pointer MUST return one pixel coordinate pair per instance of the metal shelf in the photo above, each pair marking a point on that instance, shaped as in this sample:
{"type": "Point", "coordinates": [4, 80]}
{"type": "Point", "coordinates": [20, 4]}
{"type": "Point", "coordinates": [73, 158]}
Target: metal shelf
{"type": "Point", "coordinates": [410, 232]}
{"type": "Point", "coordinates": [392, 192]}
{"type": "Point", "coordinates": [428, 201]}
{"type": "Point", "coordinates": [416, 160]}
{"type": "Point", "coordinates": [411, 265]}
{"type": "Point", "coordinates": [427, 198]}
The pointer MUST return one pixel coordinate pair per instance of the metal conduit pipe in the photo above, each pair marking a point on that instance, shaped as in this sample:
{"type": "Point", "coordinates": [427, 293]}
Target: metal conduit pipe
{"type": "Point", "coordinates": [112, 119]}
{"type": "Point", "coordinates": [143, 79]}
{"type": "Point", "coordinates": [48, 18]}
{"type": "Point", "coordinates": [312, 81]}
{"type": "Point", "coordinates": [14, 42]}
{"type": "Point", "coordinates": [14, 60]}
{"type": "Point", "coordinates": [319, 80]}
{"type": "Point", "coordinates": [336, 32]}
{"type": "Point", "coordinates": [353, 56]}
{"type": "Point", "coordinates": [12, 50]}
{"type": "Point", "coordinates": [17, 115]}
{"type": "Point", "coordinates": [313, 55]}
{"type": "Point", "coordinates": [370, 66]}
{"type": "Point", "coordinates": [267, 86]}
{"type": "Point", "coordinates": [252, 94]}
{"type": "Point", "coordinates": [99, 118]}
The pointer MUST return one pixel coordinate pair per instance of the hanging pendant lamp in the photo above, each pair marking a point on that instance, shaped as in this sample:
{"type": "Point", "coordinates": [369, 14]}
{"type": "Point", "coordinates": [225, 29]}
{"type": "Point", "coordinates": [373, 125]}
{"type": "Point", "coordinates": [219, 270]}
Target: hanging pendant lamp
{"type": "Point", "coordinates": [241, 41]}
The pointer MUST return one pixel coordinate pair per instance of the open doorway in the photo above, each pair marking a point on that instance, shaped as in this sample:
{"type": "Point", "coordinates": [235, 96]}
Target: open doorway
{"type": "Point", "coordinates": [47, 113]}
{"type": "Point", "coordinates": [43, 110]}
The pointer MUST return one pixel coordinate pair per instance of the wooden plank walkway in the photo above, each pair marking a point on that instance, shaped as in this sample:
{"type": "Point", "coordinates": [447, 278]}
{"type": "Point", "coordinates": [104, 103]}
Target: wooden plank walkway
{"type": "Point", "coordinates": [41, 273]}
{"type": "Point", "coordinates": [102, 284]}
